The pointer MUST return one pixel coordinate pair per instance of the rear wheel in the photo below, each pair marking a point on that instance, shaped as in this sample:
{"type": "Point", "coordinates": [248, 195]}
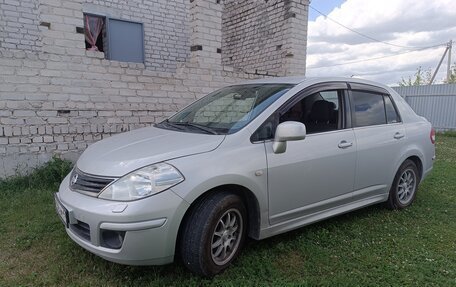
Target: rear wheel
{"type": "Point", "coordinates": [404, 187]}
{"type": "Point", "coordinates": [213, 233]}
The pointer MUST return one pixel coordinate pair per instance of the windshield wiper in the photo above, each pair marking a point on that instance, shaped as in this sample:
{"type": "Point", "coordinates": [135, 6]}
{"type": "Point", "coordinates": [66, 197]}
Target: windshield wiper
{"type": "Point", "coordinates": [201, 127]}
{"type": "Point", "coordinates": [167, 122]}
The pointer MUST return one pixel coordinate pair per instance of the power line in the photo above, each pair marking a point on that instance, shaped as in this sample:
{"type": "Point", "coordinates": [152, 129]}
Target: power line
{"type": "Point", "coordinates": [371, 59]}
{"type": "Point", "coordinates": [364, 35]}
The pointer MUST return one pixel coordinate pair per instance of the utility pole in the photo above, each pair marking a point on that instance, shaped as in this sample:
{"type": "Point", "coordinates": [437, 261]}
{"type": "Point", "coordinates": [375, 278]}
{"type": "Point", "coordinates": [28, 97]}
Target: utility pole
{"type": "Point", "coordinates": [450, 45]}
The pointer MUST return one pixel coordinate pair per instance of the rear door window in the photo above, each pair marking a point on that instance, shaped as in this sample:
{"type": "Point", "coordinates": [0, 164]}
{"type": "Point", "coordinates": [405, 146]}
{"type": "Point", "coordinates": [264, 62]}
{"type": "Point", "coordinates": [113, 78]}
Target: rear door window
{"type": "Point", "coordinates": [368, 108]}
{"type": "Point", "coordinates": [391, 113]}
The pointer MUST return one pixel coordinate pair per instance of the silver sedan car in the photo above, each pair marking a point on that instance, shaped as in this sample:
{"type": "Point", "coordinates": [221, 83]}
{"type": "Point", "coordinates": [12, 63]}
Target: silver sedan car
{"type": "Point", "coordinates": [254, 159]}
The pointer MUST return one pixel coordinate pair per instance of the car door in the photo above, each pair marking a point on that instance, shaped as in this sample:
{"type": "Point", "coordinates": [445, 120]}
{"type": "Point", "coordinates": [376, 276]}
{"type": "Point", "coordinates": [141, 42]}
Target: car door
{"type": "Point", "coordinates": [316, 173]}
{"type": "Point", "coordinates": [379, 135]}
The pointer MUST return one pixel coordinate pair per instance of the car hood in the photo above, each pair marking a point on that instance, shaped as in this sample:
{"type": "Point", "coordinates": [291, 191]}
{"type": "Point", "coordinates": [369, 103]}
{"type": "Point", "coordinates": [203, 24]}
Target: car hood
{"type": "Point", "coordinates": [123, 153]}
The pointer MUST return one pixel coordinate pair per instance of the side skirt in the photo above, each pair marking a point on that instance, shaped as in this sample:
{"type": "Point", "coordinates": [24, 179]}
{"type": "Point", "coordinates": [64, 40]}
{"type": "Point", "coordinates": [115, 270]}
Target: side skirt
{"type": "Point", "coordinates": [320, 215]}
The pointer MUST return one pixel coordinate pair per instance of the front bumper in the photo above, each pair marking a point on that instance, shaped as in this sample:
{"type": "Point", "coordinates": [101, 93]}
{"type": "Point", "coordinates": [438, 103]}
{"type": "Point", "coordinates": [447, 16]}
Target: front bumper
{"type": "Point", "coordinates": [150, 225]}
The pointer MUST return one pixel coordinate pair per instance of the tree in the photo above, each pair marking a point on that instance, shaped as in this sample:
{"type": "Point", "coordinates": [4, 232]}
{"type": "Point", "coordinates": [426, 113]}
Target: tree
{"type": "Point", "coordinates": [421, 77]}
{"type": "Point", "coordinates": [452, 79]}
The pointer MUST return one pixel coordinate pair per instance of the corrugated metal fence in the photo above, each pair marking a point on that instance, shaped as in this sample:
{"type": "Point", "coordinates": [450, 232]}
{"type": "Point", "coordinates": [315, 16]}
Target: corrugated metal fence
{"type": "Point", "coordinates": [437, 103]}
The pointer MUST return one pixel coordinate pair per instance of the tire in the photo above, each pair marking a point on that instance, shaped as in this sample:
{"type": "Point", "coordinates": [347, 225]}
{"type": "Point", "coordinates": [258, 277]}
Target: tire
{"type": "Point", "coordinates": [205, 226]}
{"type": "Point", "coordinates": [405, 186]}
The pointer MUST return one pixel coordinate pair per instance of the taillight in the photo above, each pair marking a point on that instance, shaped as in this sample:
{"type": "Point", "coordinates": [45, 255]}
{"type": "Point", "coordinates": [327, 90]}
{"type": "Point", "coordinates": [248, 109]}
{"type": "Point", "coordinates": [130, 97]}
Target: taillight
{"type": "Point", "coordinates": [432, 136]}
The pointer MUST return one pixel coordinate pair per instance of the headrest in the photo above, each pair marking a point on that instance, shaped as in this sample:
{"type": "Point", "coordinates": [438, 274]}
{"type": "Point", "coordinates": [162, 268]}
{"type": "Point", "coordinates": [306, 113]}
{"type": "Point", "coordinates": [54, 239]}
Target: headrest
{"type": "Point", "coordinates": [322, 111]}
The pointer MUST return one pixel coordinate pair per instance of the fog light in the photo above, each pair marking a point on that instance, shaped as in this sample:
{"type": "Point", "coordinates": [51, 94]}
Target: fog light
{"type": "Point", "coordinates": [112, 239]}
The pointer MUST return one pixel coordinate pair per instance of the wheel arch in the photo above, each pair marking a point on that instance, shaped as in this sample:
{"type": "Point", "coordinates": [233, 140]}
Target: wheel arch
{"type": "Point", "coordinates": [418, 163]}
{"type": "Point", "coordinates": [414, 154]}
{"type": "Point", "coordinates": [394, 202]}
{"type": "Point", "coordinates": [249, 199]}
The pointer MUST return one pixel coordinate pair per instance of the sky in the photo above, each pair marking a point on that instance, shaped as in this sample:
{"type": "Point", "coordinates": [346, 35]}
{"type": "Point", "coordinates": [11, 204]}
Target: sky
{"type": "Point", "coordinates": [407, 27]}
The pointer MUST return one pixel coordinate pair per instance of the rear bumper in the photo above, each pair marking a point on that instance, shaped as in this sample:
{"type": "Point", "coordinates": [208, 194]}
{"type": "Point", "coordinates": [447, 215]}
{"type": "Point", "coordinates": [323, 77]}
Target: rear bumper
{"type": "Point", "coordinates": [429, 167]}
{"type": "Point", "coordinates": [150, 225]}
{"type": "Point", "coordinates": [426, 173]}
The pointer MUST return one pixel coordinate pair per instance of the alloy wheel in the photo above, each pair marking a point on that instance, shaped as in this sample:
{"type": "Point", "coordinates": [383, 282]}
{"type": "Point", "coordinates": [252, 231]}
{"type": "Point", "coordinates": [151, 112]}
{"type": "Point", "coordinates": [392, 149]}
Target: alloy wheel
{"type": "Point", "coordinates": [406, 186]}
{"type": "Point", "coordinates": [226, 236]}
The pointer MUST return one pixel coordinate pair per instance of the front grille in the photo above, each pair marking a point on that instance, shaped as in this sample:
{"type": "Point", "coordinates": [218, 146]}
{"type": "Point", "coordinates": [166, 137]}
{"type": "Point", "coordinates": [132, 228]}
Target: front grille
{"type": "Point", "coordinates": [87, 183]}
{"type": "Point", "coordinates": [82, 229]}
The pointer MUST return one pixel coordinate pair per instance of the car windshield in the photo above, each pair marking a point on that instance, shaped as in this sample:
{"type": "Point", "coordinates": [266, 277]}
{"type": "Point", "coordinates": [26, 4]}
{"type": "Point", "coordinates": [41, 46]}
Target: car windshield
{"type": "Point", "coordinates": [227, 110]}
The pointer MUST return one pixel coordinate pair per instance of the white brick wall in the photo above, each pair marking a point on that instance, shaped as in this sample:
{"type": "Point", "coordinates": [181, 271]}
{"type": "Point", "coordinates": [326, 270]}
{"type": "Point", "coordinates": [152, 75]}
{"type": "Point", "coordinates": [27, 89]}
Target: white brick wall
{"type": "Point", "coordinates": [57, 98]}
{"type": "Point", "coordinates": [265, 36]}
{"type": "Point", "coordinates": [19, 25]}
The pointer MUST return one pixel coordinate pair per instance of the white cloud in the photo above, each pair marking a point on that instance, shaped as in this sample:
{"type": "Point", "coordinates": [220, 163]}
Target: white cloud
{"type": "Point", "coordinates": [405, 23]}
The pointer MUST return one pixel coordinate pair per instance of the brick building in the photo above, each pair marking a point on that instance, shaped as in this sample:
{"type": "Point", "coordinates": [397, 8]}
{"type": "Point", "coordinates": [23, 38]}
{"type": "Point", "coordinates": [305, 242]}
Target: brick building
{"type": "Point", "coordinates": [58, 94]}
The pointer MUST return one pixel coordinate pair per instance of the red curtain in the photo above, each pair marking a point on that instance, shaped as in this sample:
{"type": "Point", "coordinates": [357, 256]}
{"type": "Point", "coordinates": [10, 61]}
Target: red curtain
{"type": "Point", "coordinates": [93, 27]}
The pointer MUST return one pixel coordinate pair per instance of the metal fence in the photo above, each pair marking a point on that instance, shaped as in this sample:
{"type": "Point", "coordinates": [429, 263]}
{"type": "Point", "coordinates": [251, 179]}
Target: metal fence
{"type": "Point", "coordinates": [437, 103]}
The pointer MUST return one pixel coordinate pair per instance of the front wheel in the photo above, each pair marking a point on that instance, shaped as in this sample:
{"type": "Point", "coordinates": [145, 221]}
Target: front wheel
{"type": "Point", "coordinates": [404, 187]}
{"type": "Point", "coordinates": [213, 234]}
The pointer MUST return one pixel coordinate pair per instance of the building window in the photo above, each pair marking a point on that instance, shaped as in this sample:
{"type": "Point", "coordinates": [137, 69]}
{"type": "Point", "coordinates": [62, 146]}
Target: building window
{"type": "Point", "coordinates": [120, 40]}
{"type": "Point", "coordinates": [125, 41]}
{"type": "Point", "coordinates": [93, 30]}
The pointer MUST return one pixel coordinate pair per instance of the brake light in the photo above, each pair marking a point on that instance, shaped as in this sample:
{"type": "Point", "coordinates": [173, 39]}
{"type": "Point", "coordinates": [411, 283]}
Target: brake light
{"type": "Point", "coordinates": [432, 136]}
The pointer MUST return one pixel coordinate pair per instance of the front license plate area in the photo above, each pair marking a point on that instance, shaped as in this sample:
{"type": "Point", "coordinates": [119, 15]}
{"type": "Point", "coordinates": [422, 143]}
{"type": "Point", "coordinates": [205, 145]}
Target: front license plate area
{"type": "Point", "coordinates": [61, 211]}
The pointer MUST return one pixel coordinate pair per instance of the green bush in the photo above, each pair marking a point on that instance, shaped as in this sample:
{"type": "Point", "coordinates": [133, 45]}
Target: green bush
{"type": "Point", "coordinates": [47, 176]}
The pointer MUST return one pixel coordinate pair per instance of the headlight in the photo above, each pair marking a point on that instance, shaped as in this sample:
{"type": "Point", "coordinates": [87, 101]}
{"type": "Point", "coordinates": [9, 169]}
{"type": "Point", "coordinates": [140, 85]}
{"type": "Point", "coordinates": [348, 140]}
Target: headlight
{"type": "Point", "coordinates": [143, 182]}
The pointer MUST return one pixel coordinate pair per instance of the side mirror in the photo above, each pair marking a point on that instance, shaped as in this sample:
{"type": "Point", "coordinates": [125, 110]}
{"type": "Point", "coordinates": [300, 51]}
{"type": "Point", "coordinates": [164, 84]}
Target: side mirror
{"type": "Point", "coordinates": [288, 131]}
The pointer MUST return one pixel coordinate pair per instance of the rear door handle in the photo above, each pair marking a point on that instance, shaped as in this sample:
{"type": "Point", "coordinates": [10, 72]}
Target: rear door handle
{"type": "Point", "coordinates": [344, 144]}
{"type": "Point", "coordinates": [398, 135]}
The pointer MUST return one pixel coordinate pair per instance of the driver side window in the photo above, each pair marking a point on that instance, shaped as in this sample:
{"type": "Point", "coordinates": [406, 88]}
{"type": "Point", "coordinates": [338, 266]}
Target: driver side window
{"type": "Point", "coordinates": [320, 112]}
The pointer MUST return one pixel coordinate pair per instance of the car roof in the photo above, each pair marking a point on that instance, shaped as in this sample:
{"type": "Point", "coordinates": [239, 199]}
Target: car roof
{"type": "Point", "coordinates": [277, 80]}
{"type": "Point", "coordinates": [296, 80]}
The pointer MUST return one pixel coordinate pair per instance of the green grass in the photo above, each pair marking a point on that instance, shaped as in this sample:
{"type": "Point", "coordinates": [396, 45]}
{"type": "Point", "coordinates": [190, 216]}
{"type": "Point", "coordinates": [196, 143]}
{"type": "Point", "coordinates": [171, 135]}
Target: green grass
{"type": "Point", "coordinates": [369, 247]}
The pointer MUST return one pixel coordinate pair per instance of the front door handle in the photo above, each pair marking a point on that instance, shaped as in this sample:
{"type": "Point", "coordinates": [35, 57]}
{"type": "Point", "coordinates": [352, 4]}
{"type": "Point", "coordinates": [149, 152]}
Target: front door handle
{"type": "Point", "coordinates": [398, 135]}
{"type": "Point", "coordinates": [344, 144]}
